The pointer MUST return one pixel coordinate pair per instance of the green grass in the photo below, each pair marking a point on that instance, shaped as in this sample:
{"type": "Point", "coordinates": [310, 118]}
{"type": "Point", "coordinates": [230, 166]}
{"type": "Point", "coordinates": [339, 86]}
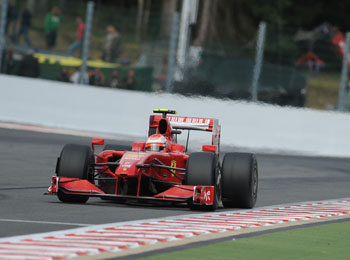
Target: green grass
{"type": "Point", "coordinates": [322, 90]}
{"type": "Point", "coordinates": [330, 241]}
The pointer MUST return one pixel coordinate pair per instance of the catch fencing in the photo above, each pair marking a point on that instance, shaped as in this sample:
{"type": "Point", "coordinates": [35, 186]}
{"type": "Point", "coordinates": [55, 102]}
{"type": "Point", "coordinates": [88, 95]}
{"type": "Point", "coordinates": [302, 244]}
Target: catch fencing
{"type": "Point", "coordinates": [156, 51]}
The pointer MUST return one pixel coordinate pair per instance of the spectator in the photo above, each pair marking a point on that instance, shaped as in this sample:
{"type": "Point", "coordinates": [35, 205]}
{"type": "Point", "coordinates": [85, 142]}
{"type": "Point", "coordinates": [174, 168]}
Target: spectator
{"type": "Point", "coordinates": [311, 60]}
{"type": "Point", "coordinates": [194, 55]}
{"type": "Point", "coordinates": [80, 36]}
{"type": "Point", "coordinates": [64, 76]}
{"type": "Point", "coordinates": [96, 78]}
{"type": "Point", "coordinates": [29, 66]}
{"type": "Point", "coordinates": [75, 78]}
{"type": "Point", "coordinates": [112, 46]}
{"type": "Point", "coordinates": [129, 82]}
{"type": "Point", "coordinates": [52, 22]}
{"type": "Point", "coordinates": [114, 82]}
{"type": "Point", "coordinates": [8, 63]}
{"type": "Point", "coordinates": [26, 22]}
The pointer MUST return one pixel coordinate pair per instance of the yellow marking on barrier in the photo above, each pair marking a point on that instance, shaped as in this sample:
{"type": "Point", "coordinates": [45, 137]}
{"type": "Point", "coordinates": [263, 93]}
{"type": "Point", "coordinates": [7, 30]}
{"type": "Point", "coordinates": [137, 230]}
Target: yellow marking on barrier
{"type": "Point", "coordinates": [72, 61]}
{"type": "Point", "coordinates": [52, 60]}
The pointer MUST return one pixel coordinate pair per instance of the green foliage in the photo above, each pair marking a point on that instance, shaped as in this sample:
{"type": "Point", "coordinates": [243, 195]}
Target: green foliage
{"type": "Point", "coordinates": [270, 11]}
{"type": "Point", "coordinates": [299, 13]}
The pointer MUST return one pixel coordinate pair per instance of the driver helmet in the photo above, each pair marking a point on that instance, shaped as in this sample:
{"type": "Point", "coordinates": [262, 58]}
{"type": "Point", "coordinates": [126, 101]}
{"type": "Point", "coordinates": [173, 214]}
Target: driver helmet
{"type": "Point", "coordinates": [156, 143]}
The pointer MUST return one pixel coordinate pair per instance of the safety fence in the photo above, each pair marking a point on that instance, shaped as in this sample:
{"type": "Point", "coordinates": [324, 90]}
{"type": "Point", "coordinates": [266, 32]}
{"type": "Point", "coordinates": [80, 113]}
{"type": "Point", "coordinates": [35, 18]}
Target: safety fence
{"type": "Point", "coordinates": [151, 47]}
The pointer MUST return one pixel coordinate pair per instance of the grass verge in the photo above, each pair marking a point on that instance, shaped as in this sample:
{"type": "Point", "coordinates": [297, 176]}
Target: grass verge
{"type": "Point", "coordinates": [322, 90]}
{"type": "Point", "coordinates": [329, 241]}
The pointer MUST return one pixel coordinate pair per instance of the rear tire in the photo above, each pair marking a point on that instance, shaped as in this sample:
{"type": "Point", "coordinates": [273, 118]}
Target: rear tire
{"type": "Point", "coordinates": [75, 162]}
{"type": "Point", "coordinates": [202, 169]}
{"type": "Point", "coordinates": [240, 180]}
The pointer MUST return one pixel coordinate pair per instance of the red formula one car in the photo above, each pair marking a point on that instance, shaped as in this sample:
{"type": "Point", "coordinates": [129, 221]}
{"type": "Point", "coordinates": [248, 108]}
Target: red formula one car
{"type": "Point", "coordinates": [159, 170]}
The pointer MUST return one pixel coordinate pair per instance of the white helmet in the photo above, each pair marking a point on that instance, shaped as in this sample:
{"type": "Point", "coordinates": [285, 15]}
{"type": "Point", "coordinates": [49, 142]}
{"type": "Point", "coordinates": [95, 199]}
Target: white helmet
{"type": "Point", "coordinates": [156, 143]}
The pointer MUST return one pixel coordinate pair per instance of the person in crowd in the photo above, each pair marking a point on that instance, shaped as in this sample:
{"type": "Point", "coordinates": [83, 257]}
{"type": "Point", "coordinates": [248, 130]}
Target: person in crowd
{"type": "Point", "coordinates": [312, 61]}
{"type": "Point", "coordinates": [8, 63]}
{"type": "Point", "coordinates": [129, 82]}
{"type": "Point", "coordinates": [64, 75]}
{"type": "Point", "coordinates": [114, 81]}
{"type": "Point", "coordinates": [194, 55]}
{"type": "Point", "coordinates": [29, 66]}
{"type": "Point", "coordinates": [80, 35]}
{"type": "Point", "coordinates": [96, 78]}
{"type": "Point", "coordinates": [26, 21]}
{"type": "Point", "coordinates": [75, 78]}
{"type": "Point", "coordinates": [52, 22]}
{"type": "Point", "coordinates": [112, 45]}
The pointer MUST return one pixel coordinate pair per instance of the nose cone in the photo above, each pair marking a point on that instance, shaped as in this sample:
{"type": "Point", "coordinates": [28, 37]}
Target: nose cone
{"type": "Point", "coordinates": [128, 163]}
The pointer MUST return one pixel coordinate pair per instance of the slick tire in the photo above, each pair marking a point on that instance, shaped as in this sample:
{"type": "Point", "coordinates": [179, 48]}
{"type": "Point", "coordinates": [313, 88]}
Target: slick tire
{"type": "Point", "coordinates": [202, 169]}
{"type": "Point", "coordinates": [75, 161]}
{"type": "Point", "coordinates": [239, 180]}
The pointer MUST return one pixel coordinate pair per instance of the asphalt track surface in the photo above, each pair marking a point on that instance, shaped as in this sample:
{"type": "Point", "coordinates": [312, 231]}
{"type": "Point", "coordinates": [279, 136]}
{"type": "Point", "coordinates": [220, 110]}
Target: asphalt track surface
{"type": "Point", "coordinates": [27, 162]}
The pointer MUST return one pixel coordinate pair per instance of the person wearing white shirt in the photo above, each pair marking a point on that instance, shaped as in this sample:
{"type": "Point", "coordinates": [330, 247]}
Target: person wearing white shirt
{"type": "Point", "coordinates": [194, 54]}
{"type": "Point", "coordinates": [76, 77]}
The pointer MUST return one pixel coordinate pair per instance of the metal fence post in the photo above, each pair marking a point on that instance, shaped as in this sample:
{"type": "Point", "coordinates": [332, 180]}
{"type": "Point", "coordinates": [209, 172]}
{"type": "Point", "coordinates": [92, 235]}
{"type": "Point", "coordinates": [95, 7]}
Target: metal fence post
{"type": "Point", "coordinates": [3, 21]}
{"type": "Point", "coordinates": [86, 40]}
{"type": "Point", "coordinates": [258, 60]}
{"type": "Point", "coordinates": [344, 74]}
{"type": "Point", "coordinates": [183, 40]}
{"type": "Point", "coordinates": [172, 52]}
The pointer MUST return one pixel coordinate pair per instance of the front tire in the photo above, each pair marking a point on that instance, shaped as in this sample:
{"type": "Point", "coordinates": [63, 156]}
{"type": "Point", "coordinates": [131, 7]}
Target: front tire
{"type": "Point", "coordinates": [75, 161]}
{"type": "Point", "coordinates": [240, 180]}
{"type": "Point", "coordinates": [202, 169]}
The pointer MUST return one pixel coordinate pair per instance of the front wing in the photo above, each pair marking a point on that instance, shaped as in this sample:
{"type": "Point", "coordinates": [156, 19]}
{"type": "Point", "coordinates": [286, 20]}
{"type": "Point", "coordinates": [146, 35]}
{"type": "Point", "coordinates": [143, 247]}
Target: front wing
{"type": "Point", "coordinates": [199, 195]}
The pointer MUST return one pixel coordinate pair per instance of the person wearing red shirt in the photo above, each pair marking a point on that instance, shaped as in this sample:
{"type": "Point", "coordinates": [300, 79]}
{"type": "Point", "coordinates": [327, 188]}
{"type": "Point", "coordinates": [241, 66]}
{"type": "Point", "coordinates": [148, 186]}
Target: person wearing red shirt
{"type": "Point", "coordinates": [80, 36]}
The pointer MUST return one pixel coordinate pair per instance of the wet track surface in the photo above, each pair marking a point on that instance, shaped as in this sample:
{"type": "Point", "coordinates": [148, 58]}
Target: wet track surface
{"type": "Point", "coordinates": [27, 162]}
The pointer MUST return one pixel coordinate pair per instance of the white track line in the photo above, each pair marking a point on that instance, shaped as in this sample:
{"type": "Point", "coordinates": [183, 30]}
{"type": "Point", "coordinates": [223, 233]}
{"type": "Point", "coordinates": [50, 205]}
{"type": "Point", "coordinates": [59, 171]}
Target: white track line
{"type": "Point", "coordinates": [44, 222]}
{"type": "Point", "coordinates": [64, 131]}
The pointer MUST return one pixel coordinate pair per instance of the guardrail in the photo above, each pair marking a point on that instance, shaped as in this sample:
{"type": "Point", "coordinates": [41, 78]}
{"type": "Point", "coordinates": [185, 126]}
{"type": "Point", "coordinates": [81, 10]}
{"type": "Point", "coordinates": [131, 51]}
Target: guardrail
{"type": "Point", "coordinates": [248, 125]}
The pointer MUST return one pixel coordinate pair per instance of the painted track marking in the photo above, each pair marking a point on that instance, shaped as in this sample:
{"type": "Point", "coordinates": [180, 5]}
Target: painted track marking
{"type": "Point", "coordinates": [123, 236]}
{"type": "Point", "coordinates": [44, 222]}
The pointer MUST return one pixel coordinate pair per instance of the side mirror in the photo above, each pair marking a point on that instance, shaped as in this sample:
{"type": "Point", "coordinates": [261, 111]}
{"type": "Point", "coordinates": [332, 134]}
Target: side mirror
{"type": "Point", "coordinates": [97, 141]}
{"type": "Point", "coordinates": [209, 148]}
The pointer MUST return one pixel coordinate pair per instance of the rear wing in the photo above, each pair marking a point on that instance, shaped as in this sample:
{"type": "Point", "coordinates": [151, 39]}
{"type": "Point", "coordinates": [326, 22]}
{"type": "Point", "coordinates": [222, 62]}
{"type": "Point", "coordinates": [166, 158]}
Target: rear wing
{"type": "Point", "coordinates": [199, 124]}
{"type": "Point", "coordinates": [190, 123]}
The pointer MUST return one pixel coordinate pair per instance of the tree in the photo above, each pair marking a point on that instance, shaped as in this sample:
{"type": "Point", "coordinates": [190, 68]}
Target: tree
{"type": "Point", "coordinates": [31, 5]}
{"type": "Point", "coordinates": [145, 18]}
{"type": "Point", "coordinates": [204, 20]}
{"type": "Point", "coordinates": [140, 4]}
{"type": "Point", "coordinates": [168, 8]}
